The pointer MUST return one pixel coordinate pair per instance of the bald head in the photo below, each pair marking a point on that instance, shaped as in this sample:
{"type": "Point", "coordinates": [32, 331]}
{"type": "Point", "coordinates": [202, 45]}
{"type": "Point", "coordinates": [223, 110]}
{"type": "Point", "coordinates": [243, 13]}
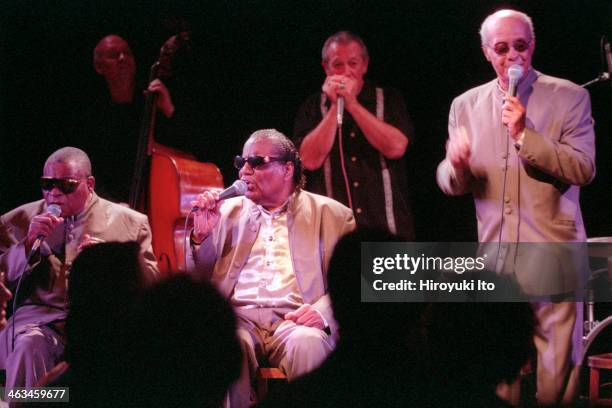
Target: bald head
{"type": "Point", "coordinates": [110, 41]}
{"type": "Point", "coordinates": [77, 158]}
{"type": "Point", "coordinates": [114, 60]}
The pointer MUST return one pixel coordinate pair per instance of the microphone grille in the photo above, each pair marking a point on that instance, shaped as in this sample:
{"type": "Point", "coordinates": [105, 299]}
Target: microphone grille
{"type": "Point", "coordinates": [54, 209]}
{"type": "Point", "coordinates": [241, 186]}
{"type": "Point", "coordinates": [515, 73]}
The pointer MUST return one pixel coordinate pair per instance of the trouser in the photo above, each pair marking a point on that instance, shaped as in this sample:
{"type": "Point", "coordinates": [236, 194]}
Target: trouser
{"type": "Point", "coordinates": [37, 350]}
{"type": "Point", "coordinates": [263, 333]}
{"type": "Point", "coordinates": [558, 341]}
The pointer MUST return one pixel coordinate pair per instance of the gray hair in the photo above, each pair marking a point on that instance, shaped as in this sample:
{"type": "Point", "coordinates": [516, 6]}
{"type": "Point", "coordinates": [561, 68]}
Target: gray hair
{"type": "Point", "coordinates": [284, 148]}
{"type": "Point", "coordinates": [71, 155]}
{"type": "Point", "coordinates": [344, 37]}
{"type": "Point", "coordinates": [484, 28]}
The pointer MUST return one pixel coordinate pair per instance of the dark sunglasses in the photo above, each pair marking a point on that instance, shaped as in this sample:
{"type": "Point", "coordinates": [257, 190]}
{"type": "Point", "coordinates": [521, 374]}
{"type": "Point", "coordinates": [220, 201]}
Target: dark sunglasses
{"type": "Point", "coordinates": [502, 48]}
{"type": "Point", "coordinates": [255, 161]}
{"type": "Point", "coordinates": [66, 185]}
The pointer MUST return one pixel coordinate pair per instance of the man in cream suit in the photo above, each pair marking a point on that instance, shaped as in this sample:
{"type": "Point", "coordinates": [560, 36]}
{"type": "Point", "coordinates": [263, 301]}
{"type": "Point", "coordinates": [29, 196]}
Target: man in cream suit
{"type": "Point", "coordinates": [524, 158]}
{"type": "Point", "coordinates": [268, 253]}
{"type": "Point", "coordinates": [37, 341]}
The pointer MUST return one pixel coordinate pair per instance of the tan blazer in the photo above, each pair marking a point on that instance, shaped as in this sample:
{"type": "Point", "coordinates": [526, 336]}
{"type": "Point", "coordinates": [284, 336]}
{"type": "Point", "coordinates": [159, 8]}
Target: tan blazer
{"type": "Point", "coordinates": [541, 198]}
{"type": "Point", "coordinates": [100, 219]}
{"type": "Point", "coordinates": [315, 224]}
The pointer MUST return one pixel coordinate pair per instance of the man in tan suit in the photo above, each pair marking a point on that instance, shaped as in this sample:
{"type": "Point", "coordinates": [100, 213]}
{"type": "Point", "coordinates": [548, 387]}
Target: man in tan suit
{"type": "Point", "coordinates": [524, 158]}
{"type": "Point", "coordinates": [268, 253]}
{"type": "Point", "coordinates": [33, 340]}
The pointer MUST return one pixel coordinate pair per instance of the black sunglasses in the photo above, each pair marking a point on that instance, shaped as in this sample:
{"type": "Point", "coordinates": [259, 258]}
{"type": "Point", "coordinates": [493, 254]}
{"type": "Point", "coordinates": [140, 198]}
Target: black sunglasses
{"type": "Point", "coordinates": [255, 161]}
{"type": "Point", "coordinates": [502, 48]}
{"type": "Point", "coordinates": [66, 185]}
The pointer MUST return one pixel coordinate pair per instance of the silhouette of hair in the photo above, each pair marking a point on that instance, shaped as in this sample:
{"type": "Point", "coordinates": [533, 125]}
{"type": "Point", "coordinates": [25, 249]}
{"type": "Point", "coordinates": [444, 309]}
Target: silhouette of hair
{"type": "Point", "coordinates": [104, 284]}
{"type": "Point", "coordinates": [475, 346]}
{"type": "Point", "coordinates": [184, 350]}
{"type": "Point", "coordinates": [344, 289]}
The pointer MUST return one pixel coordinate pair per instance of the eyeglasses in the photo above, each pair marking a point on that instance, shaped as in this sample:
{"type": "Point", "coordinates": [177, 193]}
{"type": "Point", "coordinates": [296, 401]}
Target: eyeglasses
{"type": "Point", "coordinates": [65, 185]}
{"type": "Point", "coordinates": [255, 161]}
{"type": "Point", "coordinates": [502, 48]}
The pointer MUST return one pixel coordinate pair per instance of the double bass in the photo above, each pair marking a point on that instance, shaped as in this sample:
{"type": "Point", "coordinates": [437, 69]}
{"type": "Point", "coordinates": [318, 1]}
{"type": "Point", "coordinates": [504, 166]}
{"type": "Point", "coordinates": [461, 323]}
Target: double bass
{"type": "Point", "coordinates": [165, 179]}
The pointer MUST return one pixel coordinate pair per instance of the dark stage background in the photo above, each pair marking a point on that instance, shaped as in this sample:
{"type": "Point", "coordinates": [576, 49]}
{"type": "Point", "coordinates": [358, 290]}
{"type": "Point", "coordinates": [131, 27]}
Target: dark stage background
{"type": "Point", "coordinates": [254, 62]}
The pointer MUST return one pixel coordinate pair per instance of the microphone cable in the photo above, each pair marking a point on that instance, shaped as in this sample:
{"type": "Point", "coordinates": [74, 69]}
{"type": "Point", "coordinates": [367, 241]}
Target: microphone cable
{"type": "Point", "coordinates": [191, 211]}
{"type": "Point", "coordinates": [503, 194]}
{"type": "Point", "coordinates": [16, 295]}
{"type": "Point", "coordinates": [343, 167]}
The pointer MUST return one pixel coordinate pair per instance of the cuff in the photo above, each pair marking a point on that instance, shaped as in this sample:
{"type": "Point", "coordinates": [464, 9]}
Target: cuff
{"type": "Point", "coordinates": [519, 142]}
{"type": "Point", "coordinates": [192, 240]}
{"type": "Point", "coordinates": [326, 328]}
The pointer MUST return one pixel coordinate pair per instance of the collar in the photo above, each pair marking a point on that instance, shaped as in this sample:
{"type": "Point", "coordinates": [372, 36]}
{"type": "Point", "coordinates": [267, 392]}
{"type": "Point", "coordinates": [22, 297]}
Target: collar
{"type": "Point", "coordinates": [288, 206]}
{"type": "Point", "coordinates": [93, 198]}
{"type": "Point", "coordinates": [523, 86]}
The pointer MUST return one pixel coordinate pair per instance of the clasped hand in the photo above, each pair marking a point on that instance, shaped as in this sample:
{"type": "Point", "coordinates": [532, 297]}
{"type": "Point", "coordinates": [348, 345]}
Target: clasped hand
{"type": "Point", "coordinates": [306, 315]}
{"type": "Point", "coordinates": [341, 85]}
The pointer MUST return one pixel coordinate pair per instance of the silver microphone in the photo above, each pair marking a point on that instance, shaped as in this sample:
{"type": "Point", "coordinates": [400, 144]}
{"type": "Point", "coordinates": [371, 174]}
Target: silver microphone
{"type": "Point", "coordinates": [340, 110]}
{"type": "Point", "coordinates": [515, 73]}
{"type": "Point", "coordinates": [238, 188]}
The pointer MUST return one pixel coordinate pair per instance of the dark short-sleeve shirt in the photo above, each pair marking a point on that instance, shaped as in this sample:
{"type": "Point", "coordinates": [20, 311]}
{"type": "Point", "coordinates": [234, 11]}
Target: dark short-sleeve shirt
{"type": "Point", "coordinates": [362, 162]}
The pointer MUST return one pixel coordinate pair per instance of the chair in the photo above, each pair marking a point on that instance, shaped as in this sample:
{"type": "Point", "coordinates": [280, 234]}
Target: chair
{"type": "Point", "coordinates": [265, 374]}
{"type": "Point", "coordinates": [596, 363]}
{"type": "Point", "coordinates": [53, 374]}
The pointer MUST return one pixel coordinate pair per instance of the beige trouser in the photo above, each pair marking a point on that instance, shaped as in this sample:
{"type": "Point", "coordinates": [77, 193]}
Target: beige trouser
{"type": "Point", "coordinates": [558, 341]}
{"type": "Point", "coordinates": [37, 350]}
{"type": "Point", "coordinates": [263, 333]}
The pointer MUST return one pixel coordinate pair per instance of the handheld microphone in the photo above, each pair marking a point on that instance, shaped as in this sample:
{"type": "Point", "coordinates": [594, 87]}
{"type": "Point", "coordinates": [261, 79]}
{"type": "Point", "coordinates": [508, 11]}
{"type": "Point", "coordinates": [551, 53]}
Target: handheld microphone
{"type": "Point", "coordinates": [340, 110]}
{"type": "Point", "coordinates": [515, 73]}
{"type": "Point", "coordinates": [238, 188]}
{"type": "Point", "coordinates": [53, 209]}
